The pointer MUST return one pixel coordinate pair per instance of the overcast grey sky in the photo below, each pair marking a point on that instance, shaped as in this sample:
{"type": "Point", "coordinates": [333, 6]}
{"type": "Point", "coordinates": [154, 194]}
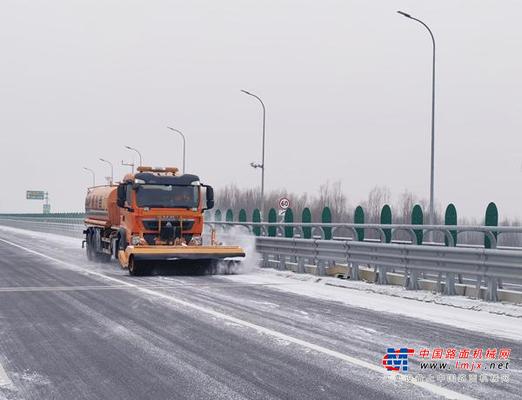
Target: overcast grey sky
{"type": "Point", "coordinates": [346, 84]}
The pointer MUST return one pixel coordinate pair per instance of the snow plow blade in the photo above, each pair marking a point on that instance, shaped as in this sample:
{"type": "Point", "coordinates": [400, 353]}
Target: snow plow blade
{"type": "Point", "coordinates": [176, 253]}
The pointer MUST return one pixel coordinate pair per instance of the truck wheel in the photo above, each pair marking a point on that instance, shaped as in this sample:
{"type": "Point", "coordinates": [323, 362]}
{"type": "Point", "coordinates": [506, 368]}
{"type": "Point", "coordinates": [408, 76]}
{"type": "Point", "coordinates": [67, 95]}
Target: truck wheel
{"type": "Point", "coordinates": [89, 251]}
{"type": "Point", "coordinates": [134, 267]}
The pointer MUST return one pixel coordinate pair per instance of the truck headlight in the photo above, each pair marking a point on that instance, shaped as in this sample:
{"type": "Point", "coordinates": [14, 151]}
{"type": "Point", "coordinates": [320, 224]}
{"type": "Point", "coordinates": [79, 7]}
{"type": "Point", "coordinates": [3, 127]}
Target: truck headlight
{"type": "Point", "coordinates": [135, 240]}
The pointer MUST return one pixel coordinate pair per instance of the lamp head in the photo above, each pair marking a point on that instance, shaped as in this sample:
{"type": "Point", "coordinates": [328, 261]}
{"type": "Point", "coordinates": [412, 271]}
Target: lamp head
{"type": "Point", "coordinates": [404, 14]}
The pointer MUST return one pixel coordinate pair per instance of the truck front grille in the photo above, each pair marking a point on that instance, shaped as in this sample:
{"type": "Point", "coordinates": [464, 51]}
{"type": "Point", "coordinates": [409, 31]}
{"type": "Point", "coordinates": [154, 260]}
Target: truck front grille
{"type": "Point", "coordinates": [152, 224]}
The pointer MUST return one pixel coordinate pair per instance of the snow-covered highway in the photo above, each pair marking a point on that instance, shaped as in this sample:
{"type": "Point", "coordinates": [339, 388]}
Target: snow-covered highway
{"type": "Point", "coordinates": [73, 329]}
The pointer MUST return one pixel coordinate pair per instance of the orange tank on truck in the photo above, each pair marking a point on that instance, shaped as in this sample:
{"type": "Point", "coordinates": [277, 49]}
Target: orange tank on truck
{"type": "Point", "coordinates": [153, 216]}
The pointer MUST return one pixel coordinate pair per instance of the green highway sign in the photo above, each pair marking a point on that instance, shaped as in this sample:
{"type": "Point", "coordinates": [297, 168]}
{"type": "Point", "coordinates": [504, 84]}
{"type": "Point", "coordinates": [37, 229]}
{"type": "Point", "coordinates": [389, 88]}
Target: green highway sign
{"type": "Point", "coordinates": [35, 195]}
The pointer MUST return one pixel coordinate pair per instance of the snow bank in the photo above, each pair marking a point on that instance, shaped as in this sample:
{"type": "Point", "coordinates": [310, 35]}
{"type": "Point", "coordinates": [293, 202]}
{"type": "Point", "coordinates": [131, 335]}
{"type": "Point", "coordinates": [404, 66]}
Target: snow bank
{"type": "Point", "coordinates": [494, 319]}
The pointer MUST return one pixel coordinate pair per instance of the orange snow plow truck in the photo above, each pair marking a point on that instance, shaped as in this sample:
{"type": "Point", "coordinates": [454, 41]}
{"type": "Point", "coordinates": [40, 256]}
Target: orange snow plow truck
{"type": "Point", "coordinates": [153, 216]}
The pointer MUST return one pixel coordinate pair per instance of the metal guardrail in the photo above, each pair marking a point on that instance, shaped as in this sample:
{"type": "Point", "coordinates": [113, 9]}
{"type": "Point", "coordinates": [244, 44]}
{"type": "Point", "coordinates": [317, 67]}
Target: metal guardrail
{"type": "Point", "coordinates": [61, 226]}
{"type": "Point", "coordinates": [319, 229]}
{"type": "Point", "coordinates": [489, 265]}
{"type": "Point", "coordinates": [492, 266]}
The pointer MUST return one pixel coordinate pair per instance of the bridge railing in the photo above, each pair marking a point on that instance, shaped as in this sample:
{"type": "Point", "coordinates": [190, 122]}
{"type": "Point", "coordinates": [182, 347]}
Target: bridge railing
{"type": "Point", "coordinates": [492, 270]}
{"type": "Point", "coordinates": [386, 232]}
{"type": "Point", "coordinates": [487, 266]}
{"type": "Point", "coordinates": [68, 226]}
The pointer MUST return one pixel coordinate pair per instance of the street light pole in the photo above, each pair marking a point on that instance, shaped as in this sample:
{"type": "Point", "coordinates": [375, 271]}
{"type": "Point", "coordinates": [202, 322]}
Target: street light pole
{"type": "Point", "coordinates": [112, 169]}
{"type": "Point", "coordinates": [137, 151]}
{"type": "Point", "coordinates": [184, 144]}
{"type": "Point", "coordinates": [432, 173]}
{"type": "Point", "coordinates": [262, 165]}
{"type": "Point", "coordinates": [93, 175]}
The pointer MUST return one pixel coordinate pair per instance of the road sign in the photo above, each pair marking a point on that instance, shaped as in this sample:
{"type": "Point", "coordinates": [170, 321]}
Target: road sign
{"type": "Point", "coordinates": [35, 195]}
{"type": "Point", "coordinates": [284, 203]}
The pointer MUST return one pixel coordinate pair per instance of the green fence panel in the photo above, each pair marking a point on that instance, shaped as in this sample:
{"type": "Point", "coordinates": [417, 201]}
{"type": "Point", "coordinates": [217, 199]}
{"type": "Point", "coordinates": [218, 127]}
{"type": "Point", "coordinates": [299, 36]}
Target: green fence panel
{"type": "Point", "coordinates": [217, 215]}
{"type": "Point", "coordinates": [358, 218]}
{"type": "Point", "coordinates": [417, 218]}
{"type": "Point", "coordinates": [326, 218]}
{"type": "Point", "coordinates": [491, 220]}
{"type": "Point", "coordinates": [386, 219]}
{"type": "Point", "coordinates": [272, 218]}
{"type": "Point", "coordinates": [289, 218]}
{"type": "Point", "coordinates": [256, 217]}
{"type": "Point", "coordinates": [450, 218]}
{"type": "Point", "coordinates": [306, 217]}
{"type": "Point", "coordinates": [242, 215]}
{"type": "Point", "coordinates": [229, 216]}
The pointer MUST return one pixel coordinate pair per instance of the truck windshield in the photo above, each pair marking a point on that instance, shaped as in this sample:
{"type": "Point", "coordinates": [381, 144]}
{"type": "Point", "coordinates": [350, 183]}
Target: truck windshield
{"type": "Point", "coordinates": [167, 196]}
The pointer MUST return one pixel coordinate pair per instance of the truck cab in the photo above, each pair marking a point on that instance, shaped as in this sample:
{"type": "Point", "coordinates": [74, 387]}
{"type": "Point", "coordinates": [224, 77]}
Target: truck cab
{"type": "Point", "coordinates": [160, 208]}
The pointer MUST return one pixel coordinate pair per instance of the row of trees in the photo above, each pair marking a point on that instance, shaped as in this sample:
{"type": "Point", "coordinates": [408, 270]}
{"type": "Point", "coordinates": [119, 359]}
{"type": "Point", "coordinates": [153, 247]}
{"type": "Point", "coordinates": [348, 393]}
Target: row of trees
{"type": "Point", "coordinates": [332, 195]}
{"type": "Point", "coordinates": [329, 194]}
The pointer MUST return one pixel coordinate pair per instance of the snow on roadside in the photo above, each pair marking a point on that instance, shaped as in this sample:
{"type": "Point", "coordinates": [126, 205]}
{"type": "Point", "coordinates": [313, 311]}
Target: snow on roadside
{"type": "Point", "coordinates": [494, 319]}
{"type": "Point", "coordinates": [67, 241]}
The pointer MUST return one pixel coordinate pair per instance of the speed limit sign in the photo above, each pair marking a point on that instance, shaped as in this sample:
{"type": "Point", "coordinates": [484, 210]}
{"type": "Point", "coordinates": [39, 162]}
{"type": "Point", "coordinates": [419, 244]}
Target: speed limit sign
{"type": "Point", "coordinates": [284, 203]}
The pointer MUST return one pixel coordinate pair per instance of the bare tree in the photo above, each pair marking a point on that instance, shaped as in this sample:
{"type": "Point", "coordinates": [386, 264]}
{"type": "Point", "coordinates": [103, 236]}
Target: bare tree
{"type": "Point", "coordinates": [377, 198]}
{"type": "Point", "coordinates": [332, 195]}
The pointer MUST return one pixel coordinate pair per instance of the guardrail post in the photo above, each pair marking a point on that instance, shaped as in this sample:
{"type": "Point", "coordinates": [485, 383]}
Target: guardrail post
{"type": "Point", "coordinates": [321, 269]}
{"type": "Point", "coordinates": [449, 287]}
{"type": "Point", "coordinates": [491, 292]}
{"type": "Point", "coordinates": [490, 242]}
{"type": "Point", "coordinates": [358, 218]}
{"type": "Point", "coordinates": [411, 279]}
{"type": "Point", "coordinates": [272, 218]}
{"type": "Point", "coordinates": [478, 286]}
{"type": "Point", "coordinates": [354, 272]}
{"type": "Point", "coordinates": [242, 215]}
{"type": "Point", "coordinates": [439, 283]}
{"type": "Point", "coordinates": [289, 230]}
{"type": "Point", "coordinates": [411, 276]}
{"type": "Point", "coordinates": [491, 219]}
{"type": "Point", "coordinates": [289, 219]}
{"type": "Point", "coordinates": [281, 258]}
{"type": "Point", "coordinates": [306, 218]}
{"type": "Point", "coordinates": [256, 217]}
{"type": "Point", "coordinates": [417, 218]}
{"type": "Point", "coordinates": [326, 218]}
{"type": "Point", "coordinates": [319, 264]}
{"type": "Point", "coordinates": [386, 219]}
{"type": "Point", "coordinates": [353, 266]}
{"type": "Point", "coordinates": [300, 265]}
{"type": "Point", "coordinates": [229, 216]}
{"type": "Point", "coordinates": [450, 218]}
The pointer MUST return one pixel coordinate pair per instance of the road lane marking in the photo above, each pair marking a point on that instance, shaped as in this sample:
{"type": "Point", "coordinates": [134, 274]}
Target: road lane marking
{"type": "Point", "coordinates": [112, 287]}
{"type": "Point", "coordinates": [74, 288]}
{"type": "Point", "coordinates": [438, 390]}
{"type": "Point", "coordinates": [4, 379]}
